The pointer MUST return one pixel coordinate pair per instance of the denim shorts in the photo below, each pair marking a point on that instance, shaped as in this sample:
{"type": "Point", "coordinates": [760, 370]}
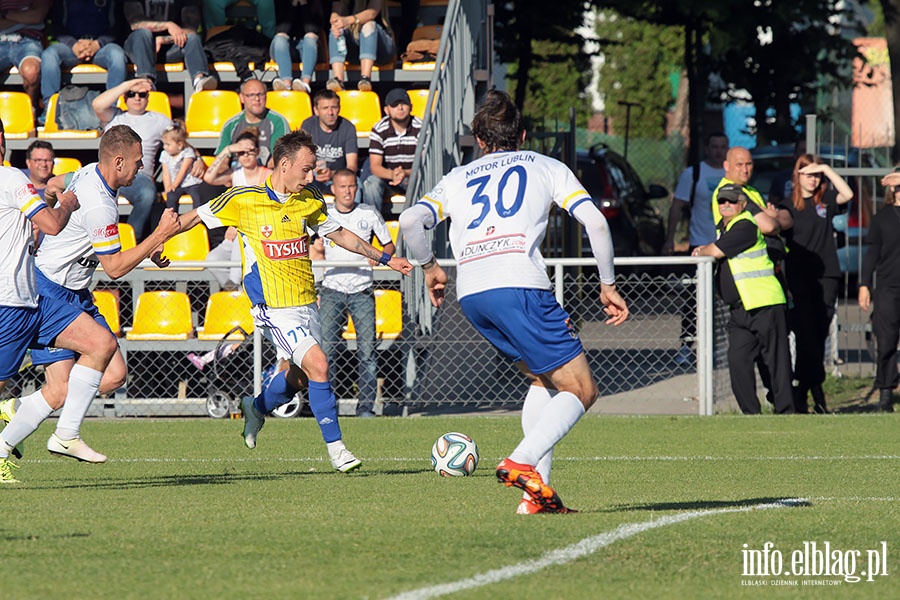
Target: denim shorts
{"type": "Point", "coordinates": [13, 53]}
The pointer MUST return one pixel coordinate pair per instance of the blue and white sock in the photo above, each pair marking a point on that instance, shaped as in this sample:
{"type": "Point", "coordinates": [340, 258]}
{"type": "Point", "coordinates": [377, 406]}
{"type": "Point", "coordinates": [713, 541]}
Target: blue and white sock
{"type": "Point", "coordinates": [324, 409]}
{"type": "Point", "coordinates": [279, 392]}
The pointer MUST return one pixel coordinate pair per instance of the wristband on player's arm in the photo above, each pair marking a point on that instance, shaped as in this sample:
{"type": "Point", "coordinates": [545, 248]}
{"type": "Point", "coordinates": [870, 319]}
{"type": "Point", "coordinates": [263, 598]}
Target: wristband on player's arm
{"type": "Point", "coordinates": [429, 263]}
{"type": "Point", "coordinates": [385, 258]}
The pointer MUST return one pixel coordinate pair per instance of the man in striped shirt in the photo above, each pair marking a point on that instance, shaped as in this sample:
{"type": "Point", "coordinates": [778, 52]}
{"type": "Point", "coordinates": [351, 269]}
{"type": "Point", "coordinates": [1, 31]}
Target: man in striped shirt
{"type": "Point", "coordinates": [392, 146]}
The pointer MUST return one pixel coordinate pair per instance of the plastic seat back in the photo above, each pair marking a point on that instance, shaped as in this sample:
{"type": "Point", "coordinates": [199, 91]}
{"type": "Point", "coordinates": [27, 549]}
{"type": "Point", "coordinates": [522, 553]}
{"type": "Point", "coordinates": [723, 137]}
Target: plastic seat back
{"type": "Point", "coordinates": [17, 115]}
{"type": "Point", "coordinates": [126, 236]}
{"type": "Point", "coordinates": [52, 130]}
{"type": "Point", "coordinates": [157, 102]}
{"type": "Point", "coordinates": [192, 244]}
{"type": "Point", "coordinates": [363, 109]}
{"type": "Point", "coordinates": [394, 228]}
{"type": "Point", "coordinates": [388, 316]}
{"type": "Point", "coordinates": [224, 312]}
{"type": "Point", "coordinates": [292, 105]}
{"type": "Point", "coordinates": [162, 316]}
{"type": "Point", "coordinates": [65, 164]}
{"type": "Point", "coordinates": [208, 110]}
{"type": "Point", "coordinates": [108, 305]}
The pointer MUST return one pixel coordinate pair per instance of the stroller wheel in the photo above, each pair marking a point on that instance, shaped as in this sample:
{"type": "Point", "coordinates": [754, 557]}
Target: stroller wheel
{"type": "Point", "coordinates": [217, 405]}
{"type": "Point", "coordinates": [289, 410]}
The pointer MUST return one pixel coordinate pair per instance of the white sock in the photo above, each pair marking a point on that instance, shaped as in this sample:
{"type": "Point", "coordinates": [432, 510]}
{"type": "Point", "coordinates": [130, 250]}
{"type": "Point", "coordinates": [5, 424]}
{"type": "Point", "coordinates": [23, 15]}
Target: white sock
{"type": "Point", "coordinates": [555, 421]}
{"type": "Point", "coordinates": [83, 385]}
{"type": "Point", "coordinates": [334, 448]}
{"type": "Point", "coordinates": [29, 416]}
{"type": "Point", "coordinates": [535, 402]}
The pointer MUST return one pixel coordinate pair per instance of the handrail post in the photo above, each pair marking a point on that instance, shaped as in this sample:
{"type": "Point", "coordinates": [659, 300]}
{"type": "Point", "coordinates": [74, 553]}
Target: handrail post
{"type": "Point", "coordinates": [704, 337]}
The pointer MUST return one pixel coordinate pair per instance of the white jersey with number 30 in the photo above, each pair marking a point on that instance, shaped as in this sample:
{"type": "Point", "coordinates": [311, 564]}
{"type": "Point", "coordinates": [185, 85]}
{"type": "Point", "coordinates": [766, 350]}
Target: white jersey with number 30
{"type": "Point", "coordinates": [498, 206]}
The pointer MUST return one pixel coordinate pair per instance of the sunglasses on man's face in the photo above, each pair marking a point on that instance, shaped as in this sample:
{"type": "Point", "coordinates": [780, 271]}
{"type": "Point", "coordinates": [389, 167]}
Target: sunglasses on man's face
{"type": "Point", "coordinates": [138, 94]}
{"type": "Point", "coordinates": [247, 153]}
{"type": "Point", "coordinates": [722, 201]}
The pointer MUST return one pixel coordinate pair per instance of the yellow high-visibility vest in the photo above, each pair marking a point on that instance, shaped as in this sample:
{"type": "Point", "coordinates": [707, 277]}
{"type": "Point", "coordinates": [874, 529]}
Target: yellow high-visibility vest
{"type": "Point", "coordinates": [753, 272]}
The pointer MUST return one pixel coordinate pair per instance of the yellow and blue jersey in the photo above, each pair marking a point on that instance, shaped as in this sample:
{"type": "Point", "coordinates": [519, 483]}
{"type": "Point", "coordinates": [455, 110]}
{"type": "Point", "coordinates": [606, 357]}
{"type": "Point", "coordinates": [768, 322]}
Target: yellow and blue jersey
{"type": "Point", "coordinates": [274, 233]}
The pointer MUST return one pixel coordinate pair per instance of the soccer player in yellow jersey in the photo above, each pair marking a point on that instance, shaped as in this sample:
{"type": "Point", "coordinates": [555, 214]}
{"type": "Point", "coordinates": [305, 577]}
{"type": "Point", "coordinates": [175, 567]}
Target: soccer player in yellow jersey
{"type": "Point", "coordinates": [273, 222]}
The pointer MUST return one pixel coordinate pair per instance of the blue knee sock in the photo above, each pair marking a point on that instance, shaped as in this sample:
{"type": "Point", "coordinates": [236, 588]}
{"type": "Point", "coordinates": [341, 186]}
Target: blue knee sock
{"type": "Point", "coordinates": [324, 408]}
{"type": "Point", "coordinates": [279, 392]}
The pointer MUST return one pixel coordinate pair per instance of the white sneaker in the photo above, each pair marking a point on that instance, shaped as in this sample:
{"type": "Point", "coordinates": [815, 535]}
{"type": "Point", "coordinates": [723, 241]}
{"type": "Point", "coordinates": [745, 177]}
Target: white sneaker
{"type": "Point", "coordinates": [76, 449]}
{"type": "Point", "coordinates": [281, 84]}
{"type": "Point", "coordinates": [205, 82]}
{"type": "Point", "coordinates": [299, 85]}
{"type": "Point", "coordinates": [253, 421]}
{"type": "Point", "coordinates": [345, 461]}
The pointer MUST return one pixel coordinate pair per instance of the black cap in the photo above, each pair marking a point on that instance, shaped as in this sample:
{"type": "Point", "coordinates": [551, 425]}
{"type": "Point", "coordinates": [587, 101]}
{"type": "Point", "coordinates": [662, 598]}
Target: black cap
{"type": "Point", "coordinates": [731, 191]}
{"type": "Point", "coordinates": [397, 95]}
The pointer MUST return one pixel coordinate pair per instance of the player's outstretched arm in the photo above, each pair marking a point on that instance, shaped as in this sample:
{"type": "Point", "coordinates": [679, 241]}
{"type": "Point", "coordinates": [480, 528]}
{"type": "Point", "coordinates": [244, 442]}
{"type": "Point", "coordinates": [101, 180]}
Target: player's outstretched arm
{"type": "Point", "coordinates": [350, 241]}
{"type": "Point", "coordinates": [53, 220]}
{"type": "Point", "coordinates": [118, 264]}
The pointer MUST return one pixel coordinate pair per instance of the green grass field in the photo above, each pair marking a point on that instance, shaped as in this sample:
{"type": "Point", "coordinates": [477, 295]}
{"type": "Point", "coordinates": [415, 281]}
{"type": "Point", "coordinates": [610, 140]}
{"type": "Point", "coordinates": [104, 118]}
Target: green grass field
{"type": "Point", "coordinates": [183, 510]}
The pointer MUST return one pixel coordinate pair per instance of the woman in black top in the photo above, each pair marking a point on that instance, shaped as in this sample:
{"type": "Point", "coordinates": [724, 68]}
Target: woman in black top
{"type": "Point", "coordinates": [883, 257]}
{"type": "Point", "coordinates": [813, 270]}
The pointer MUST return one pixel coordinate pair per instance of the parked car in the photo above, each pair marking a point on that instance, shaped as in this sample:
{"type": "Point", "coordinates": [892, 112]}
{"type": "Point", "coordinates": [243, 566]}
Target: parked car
{"type": "Point", "coordinates": [636, 225]}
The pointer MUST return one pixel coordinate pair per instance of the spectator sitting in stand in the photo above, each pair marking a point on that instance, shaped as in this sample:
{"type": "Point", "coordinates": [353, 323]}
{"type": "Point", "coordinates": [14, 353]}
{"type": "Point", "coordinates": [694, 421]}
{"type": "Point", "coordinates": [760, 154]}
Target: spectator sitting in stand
{"type": "Point", "coordinates": [363, 27]}
{"type": "Point", "coordinates": [39, 159]}
{"type": "Point", "coordinates": [179, 21]}
{"type": "Point", "coordinates": [21, 30]}
{"type": "Point", "coordinates": [392, 147]}
{"type": "Point", "coordinates": [297, 36]}
{"type": "Point", "coordinates": [86, 33]}
{"type": "Point", "coordinates": [335, 137]}
{"type": "Point", "coordinates": [177, 159]}
{"type": "Point", "coordinates": [268, 123]}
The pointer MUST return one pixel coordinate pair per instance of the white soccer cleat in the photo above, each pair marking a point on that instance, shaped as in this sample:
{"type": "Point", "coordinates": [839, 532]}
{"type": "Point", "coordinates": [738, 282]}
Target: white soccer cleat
{"type": "Point", "coordinates": [76, 449]}
{"type": "Point", "coordinates": [253, 421]}
{"type": "Point", "coordinates": [344, 461]}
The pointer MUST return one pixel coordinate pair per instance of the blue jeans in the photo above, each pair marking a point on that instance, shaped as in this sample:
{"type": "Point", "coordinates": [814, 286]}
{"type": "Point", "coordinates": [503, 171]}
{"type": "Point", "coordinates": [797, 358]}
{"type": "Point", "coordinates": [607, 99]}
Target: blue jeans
{"type": "Point", "coordinates": [377, 46]}
{"type": "Point", "coordinates": [374, 188]}
{"type": "Point", "coordinates": [307, 49]}
{"type": "Point", "coordinates": [140, 46]}
{"type": "Point", "coordinates": [141, 194]}
{"type": "Point", "coordinates": [13, 53]}
{"type": "Point", "coordinates": [58, 56]}
{"type": "Point", "coordinates": [333, 309]}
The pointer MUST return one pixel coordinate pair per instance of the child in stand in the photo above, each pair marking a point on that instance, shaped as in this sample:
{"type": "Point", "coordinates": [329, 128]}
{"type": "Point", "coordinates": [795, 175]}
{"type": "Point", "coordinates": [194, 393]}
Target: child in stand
{"type": "Point", "coordinates": [177, 158]}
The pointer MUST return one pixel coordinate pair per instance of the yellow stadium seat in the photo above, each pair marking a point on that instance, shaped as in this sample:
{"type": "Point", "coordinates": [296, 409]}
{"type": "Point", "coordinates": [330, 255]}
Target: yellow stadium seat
{"type": "Point", "coordinates": [419, 100]}
{"type": "Point", "coordinates": [394, 228]}
{"type": "Point", "coordinates": [224, 312]}
{"type": "Point", "coordinates": [126, 236]}
{"type": "Point", "coordinates": [388, 316]}
{"type": "Point", "coordinates": [290, 104]}
{"type": "Point", "coordinates": [52, 131]}
{"type": "Point", "coordinates": [16, 113]}
{"type": "Point", "coordinates": [192, 244]}
{"type": "Point", "coordinates": [65, 164]}
{"type": "Point", "coordinates": [208, 110]}
{"type": "Point", "coordinates": [108, 305]}
{"type": "Point", "coordinates": [363, 109]}
{"type": "Point", "coordinates": [157, 102]}
{"type": "Point", "coordinates": [162, 316]}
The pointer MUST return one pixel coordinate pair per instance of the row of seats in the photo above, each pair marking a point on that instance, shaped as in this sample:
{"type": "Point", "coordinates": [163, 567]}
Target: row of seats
{"type": "Point", "coordinates": [207, 111]}
{"type": "Point", "coordinates": [166, 315]}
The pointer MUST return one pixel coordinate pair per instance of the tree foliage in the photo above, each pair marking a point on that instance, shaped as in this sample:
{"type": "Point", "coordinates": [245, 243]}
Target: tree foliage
{"type": "Point", "coordinates": [638, 61]}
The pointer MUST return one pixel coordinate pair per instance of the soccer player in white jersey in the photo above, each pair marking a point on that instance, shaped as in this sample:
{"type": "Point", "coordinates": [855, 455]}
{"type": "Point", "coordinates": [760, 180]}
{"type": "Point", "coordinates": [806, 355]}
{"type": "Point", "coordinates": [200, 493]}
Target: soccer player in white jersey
{"type": "Point", "coordinates": [273, 221]}
{"type": "Point", "coordinates": [30, 321]}
{"type": "Point", "coordinates": [498, 206]}
{"type": "Point", "coordinates": [65, 266]}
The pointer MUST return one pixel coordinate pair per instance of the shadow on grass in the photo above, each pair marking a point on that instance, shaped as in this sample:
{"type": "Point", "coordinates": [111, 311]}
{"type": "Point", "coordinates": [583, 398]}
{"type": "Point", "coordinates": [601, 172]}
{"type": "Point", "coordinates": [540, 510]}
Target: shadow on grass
{"type": "Point", "coordinates": [705, 504]}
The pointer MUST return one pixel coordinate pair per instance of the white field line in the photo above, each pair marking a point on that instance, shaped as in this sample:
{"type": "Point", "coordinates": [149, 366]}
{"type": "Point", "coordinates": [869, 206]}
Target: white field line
{"type": "Point", "coordinates": [575, 551]}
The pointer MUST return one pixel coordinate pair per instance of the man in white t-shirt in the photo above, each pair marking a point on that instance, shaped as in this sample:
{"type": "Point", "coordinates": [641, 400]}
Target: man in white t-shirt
{"type": "Point", "coordinates": [348, 290]}
{"type": "Point", "coordinates": [498, 207]}
{"type": "Point", "coordinates": [150, 126]}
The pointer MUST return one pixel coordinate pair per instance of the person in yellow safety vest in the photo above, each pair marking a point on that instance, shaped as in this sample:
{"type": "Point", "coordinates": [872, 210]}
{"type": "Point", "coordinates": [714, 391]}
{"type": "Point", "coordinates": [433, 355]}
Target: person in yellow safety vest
{"type": "Point", "coordinates": [739, 169]}
{"type": "Point", "coordinates": [746, 281]}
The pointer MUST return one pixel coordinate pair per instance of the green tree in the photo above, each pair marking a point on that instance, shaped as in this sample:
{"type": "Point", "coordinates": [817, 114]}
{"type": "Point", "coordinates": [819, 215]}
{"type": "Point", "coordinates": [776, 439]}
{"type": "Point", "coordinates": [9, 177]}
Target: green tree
{"type": "Point", "coordinates": [638, 62]}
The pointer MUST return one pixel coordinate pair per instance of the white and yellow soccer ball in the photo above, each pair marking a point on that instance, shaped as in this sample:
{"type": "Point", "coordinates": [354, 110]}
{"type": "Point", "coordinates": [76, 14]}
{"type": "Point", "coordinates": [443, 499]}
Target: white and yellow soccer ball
{"type": "Point", "coordinates": [454, 455]}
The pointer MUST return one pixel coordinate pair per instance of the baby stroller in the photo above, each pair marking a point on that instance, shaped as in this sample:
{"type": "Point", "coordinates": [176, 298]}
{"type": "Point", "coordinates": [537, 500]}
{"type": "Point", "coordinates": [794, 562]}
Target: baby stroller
{"type": "Point", "coordinates": [226, 390]}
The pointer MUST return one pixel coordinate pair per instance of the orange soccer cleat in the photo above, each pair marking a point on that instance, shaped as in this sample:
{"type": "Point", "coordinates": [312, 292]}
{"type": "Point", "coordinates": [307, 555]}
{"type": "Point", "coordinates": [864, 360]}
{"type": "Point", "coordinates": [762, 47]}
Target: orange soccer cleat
{"type": "Point", "coordinates": [530, 507]}
{"type": "Point", "coordinates": [525, 478]}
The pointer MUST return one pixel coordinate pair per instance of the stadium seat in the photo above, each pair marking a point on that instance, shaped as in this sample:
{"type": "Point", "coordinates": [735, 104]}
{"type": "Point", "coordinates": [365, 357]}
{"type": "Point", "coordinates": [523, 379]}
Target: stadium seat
{"type": "Point", "coordinates": [224, 312]}
{"type": "Point", "coordinates": [157, 102]}
{"type": "Point", "coordinates": [108, 305]}
{"type": "Point", "coordinates": [292, 105]}
{"type": "Point", "coordinates": [363, 109]}
{"type": "Point", "coordinates": [17, 115]}
{"type": "Point", "coordinates": [208, 110]}
{"type": "Point", "coordinates": [162, 316]}
{"type": "Point", "coordinates": [52, 131]}
{"type": "Point", "coordinates": [126, 236]}
{"type": "Point", "coordinates": [388, 316]}
{"type": "Point", "coordinates": [65, 164]}
{"type": "Point", "coordinates": [394, 228]}
{"type": "Point", "coordinates": [192, 244]}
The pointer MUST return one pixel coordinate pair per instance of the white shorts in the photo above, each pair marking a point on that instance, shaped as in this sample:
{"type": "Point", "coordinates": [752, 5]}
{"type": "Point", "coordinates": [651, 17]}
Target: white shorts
{"type": "Point", "coordinates": [293, 330]}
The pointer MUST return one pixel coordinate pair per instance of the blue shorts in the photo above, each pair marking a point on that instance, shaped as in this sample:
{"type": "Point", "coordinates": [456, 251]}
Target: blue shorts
{"type": "Point", "coordinates": [81, 300]}
{"type": "Point", "coordinates": [525, 325]}
{"type": "Point", "coordinates": [23, 327]}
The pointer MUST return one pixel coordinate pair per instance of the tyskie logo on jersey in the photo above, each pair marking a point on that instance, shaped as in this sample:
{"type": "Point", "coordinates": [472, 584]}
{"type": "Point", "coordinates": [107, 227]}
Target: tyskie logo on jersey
{"type": "Point", "coordinates": [286, 249]}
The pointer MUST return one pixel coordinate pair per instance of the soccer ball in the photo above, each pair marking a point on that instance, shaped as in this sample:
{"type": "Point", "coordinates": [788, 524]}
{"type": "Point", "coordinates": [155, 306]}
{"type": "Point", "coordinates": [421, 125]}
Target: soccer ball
{"type": "Point", "coordinates": [454, 455]}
